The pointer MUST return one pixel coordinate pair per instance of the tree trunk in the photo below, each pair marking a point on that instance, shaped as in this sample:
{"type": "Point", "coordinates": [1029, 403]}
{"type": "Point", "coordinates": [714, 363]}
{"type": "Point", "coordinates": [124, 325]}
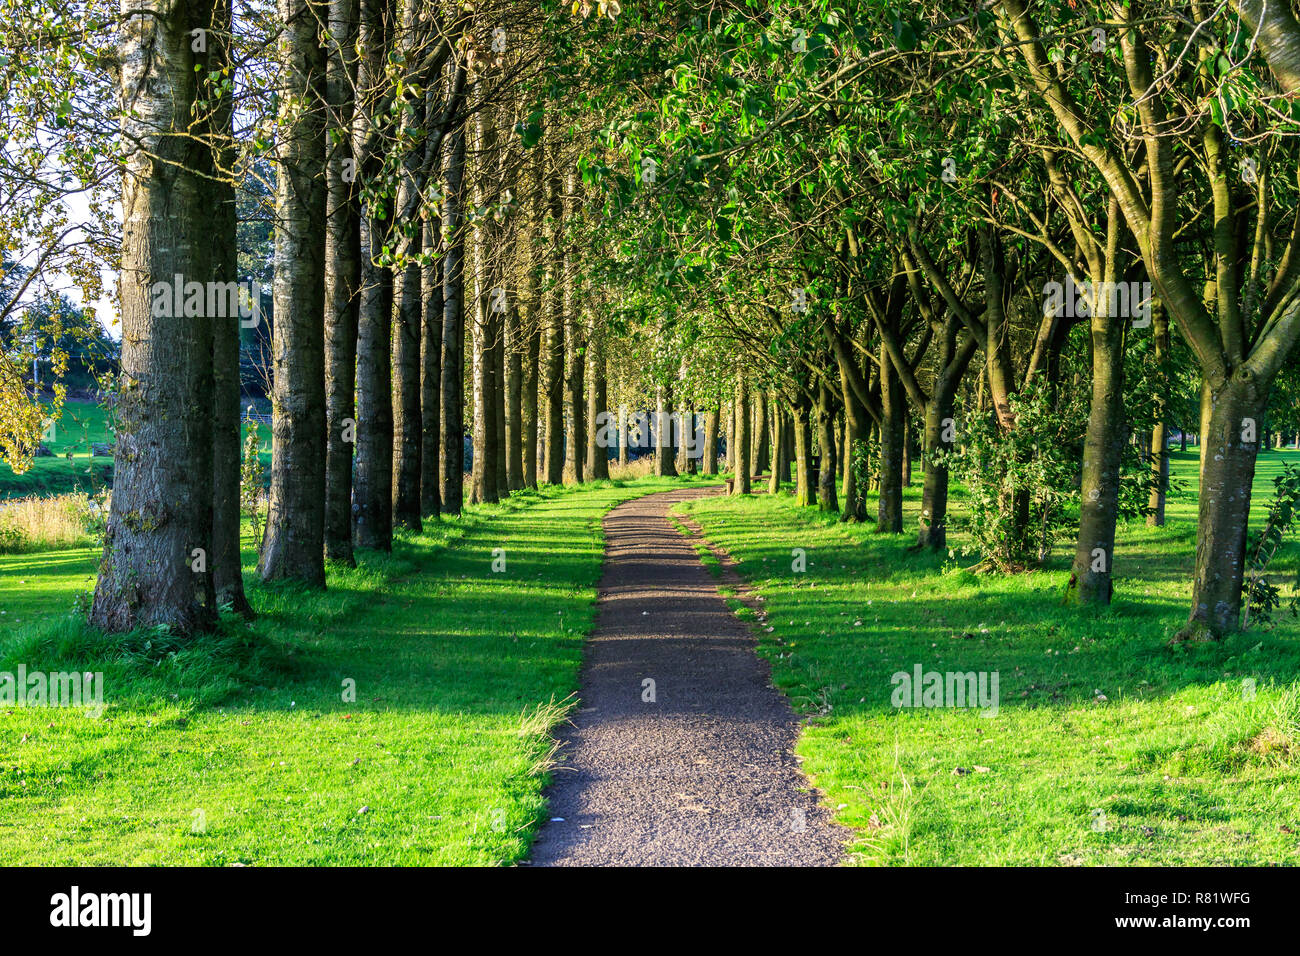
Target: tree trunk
{"type": "Point", "coordinates": [453, 324]}
{"type": "Point", "coordinates": [1160, 433]}
{"type": "Point", "coordinates": [740, 466]}
{"type": "Point", "coordinates": [342, 282]}
{"type": "Point", "coordinates": [665, 458]}
{"type": "Point", "coordinates": [841, 445]}
{"type": "Point", "coordinates": [1227, 472]}
{"type": "Point", "coordinates": [907, 449]}
{"type": "Point", "coordinates": [431, 374]}
{"type": "Point", "coordinates": [293, 547]}
{"type": "Point", "coordinates": [1090, 577]}
{"type": "Point", "coordinates": [893, 408]}
{"type": "Point", "coordinates": [805, 492]}
{"type": "Point", "coordinates": [553, 384]}
{"type": "Point", "coordinates": [856, 429]}
{"type": "Point", "coordinates": [407, 331]}
{"type": "Point", "coordinates": [408, 430]}
{"type": "Point", "coordinates": [529, 324]}
{"type": "Point", "coordinates": [825, 416]}
{"type": "Point", "coordinates": [484, 461]}
{"type": "Point", "coordinates": [934, 490]}
{"type": "Point", "coordinates": [777, 448]}
{"type": "Point", "coordinates": [711, 422]}
{"type": "Point", "coordinates": [682, 421]}
{"type": "Point", "coordinates": [788, 456]}
{"type": "Point", "coordinates": [514, 403]}
{"type": "Point", "coordinates": [372, 476]}
{"type": "Point", "coordinates": [597, 394]}
{"type": "Point", "coordinates": [575, 409]}
{"type": "Point", "coordinates": [940, 434]}
{"type": "Point", "coordinates": [758, 438]}
{"type": "Point", "coordinates": [1202, 439]}
{"type": "Point", "coordinates": [227, 563]}
{"type": "Point", "coordinates": [496, 323]}
{"type": "Point", "coordinates": [161, 509]}
{"type": "Point", "coordinates": [531, 379]}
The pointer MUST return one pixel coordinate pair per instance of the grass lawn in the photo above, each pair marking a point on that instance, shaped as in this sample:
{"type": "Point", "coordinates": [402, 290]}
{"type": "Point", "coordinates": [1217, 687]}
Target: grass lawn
{"type": "Point", "coordinates": [240, 747]}
{"type": "Point", "coordinates": [1108, 747]}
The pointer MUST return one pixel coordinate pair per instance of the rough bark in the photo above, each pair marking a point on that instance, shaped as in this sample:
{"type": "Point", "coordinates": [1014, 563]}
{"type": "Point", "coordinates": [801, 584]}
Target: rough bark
{"type": "Point", "coordinates": [553, 367]}
{"type": "Point", "coordinates": [497, 324]}
{"type": "Point", "coordinates": [574, 343]}
{"type": "Point", "coordinates": [226, 561]}
{"type": "Point", "coordinates": [342, 281]}
{"type": "Point", "coordinates": [1228, 469]}
{"type": "Point", "coordinates": [515, 348]}
{"type": "Point", "coordinates": [408, 428]}
{"type": "Point", "coordinates": [293, 547]}
{"type": "Point", "coordinates": [453, 323]}
{"type": "Point", "coordinates": [484, 460]}
{"type": "Point", "coordinates": [532, 377]}
{"type": "Point", "coordinates": [431, 373]}
{"type": "Point", "coordinates": [530, 324]}
{"type": "Point", "coordinates": [162, 497]}
{"type": "Point", "coordinates": [372, 477]}
{"type": "Point", "coordinates": [1090, 576]}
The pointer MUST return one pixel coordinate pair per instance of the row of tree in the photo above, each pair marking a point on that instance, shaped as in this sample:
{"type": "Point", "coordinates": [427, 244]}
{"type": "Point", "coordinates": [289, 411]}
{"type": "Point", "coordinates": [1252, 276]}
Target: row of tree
{"type": "Point", "coordinates": [1038, 237]}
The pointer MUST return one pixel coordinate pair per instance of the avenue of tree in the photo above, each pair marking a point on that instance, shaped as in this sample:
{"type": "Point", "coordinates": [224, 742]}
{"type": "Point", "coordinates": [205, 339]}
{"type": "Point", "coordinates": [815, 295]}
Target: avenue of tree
{"type": "Point", "coordinates": [1027, 245]}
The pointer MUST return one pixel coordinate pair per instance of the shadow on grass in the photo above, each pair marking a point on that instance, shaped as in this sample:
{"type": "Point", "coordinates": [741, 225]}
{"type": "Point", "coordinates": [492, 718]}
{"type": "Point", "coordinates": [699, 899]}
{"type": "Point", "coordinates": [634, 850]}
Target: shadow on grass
{"type": "Point", "coordinates": [867, 608]}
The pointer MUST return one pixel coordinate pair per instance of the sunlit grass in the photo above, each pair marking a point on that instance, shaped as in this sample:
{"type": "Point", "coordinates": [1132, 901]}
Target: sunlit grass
{"type": "Point", "coordinates": [1109, 746]}
{"type": "Point", "coordinates": [241, 747]}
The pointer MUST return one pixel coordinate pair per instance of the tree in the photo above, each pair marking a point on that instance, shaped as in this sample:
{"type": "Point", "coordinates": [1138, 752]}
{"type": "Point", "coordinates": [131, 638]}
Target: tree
{"type": "Point", "coordinates": [294, 545]}
{"type": "Point", "coordinates": [155, 570]}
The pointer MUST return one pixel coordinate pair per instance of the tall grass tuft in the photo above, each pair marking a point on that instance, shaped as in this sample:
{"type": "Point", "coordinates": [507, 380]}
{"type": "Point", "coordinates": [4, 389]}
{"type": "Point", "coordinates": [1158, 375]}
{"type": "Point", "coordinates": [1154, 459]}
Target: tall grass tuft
{"type": "Point", "coordinates": [52, 523]}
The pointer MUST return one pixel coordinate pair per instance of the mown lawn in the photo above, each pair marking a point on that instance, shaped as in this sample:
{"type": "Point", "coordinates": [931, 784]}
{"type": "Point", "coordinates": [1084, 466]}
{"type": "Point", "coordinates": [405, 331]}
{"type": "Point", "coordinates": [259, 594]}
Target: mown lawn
{"type": "Point", "coordinates": [1108, 747]}
{"type": "Point", "coordinates": [240, 747]}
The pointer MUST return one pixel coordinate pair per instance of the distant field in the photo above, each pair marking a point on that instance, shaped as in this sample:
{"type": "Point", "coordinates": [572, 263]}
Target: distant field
{"type": "Point", "coordinates": [81, 425]}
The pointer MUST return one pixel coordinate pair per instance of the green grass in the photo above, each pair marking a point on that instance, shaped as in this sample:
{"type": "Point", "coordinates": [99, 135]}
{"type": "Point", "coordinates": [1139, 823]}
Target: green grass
{"type": "Point", "coordinates": [462, 672]}
{"type": "Point", "coordinates": [1179, 764]}
{"type": "Point", "coordinates": [239, 747]}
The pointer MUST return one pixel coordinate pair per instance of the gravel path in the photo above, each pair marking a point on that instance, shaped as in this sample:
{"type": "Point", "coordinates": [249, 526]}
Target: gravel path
{"type": "Point", "coordinates": [704, 774]}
